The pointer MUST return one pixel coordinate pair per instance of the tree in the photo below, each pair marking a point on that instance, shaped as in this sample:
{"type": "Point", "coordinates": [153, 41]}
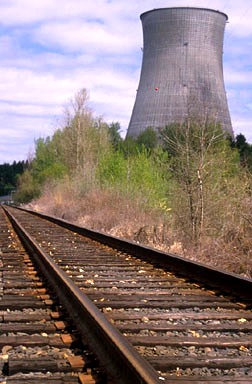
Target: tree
{"type": "Point", "coordinates": [148, 139]}
{"type": "Point", "coordinates": [78, 121]}
{"type": "Point", "coordinates": [114, 135]}
{"type": "Point", "coordinates": [196, 151]}
{"type": "Point", "coordinates": [27, 188]}
{"type": "Point", "coordinates": [85, 137]}
{"type": "Point", "coordinates": [47, 164]}
{"type": "Point", "coordinates": [245, 150]}
{"type": "Point", "coordinates": [9, 174]}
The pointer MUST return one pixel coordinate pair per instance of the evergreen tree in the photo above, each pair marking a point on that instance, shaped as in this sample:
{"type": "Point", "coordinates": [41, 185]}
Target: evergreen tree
{"type": "Point", "coordinates": [245, 150]}
{"type": "Point", "coordinates": [9, 174]}
{"type": "Point", "coordinates": [114, 135]}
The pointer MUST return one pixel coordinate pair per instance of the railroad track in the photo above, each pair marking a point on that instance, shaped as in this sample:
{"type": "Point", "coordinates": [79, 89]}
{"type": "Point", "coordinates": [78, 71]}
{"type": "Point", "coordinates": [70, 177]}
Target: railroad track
{"type": "Point", "coordinates": [38, 342]}
{"type": "Point", "coordinates": [172, 321]}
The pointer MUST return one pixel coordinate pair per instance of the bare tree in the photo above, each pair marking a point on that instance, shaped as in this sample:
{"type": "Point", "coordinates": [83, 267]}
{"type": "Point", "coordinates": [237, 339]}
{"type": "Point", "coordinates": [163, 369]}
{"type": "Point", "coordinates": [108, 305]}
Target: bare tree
{"type": "Point", "coordinates": [192, 147]}
{"type": "Point", "coordinates": [85, 138]}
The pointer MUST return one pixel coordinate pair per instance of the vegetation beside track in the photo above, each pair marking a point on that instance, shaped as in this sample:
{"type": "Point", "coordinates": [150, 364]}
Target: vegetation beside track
{"type": "Point", "coordinates": [189, 195]}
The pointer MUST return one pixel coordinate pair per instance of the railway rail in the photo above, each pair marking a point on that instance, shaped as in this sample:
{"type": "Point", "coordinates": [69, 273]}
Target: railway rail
{"type": "Point", "coordinates": [148, 317]}
{"type": "Point", "coordinates": [38, 342]}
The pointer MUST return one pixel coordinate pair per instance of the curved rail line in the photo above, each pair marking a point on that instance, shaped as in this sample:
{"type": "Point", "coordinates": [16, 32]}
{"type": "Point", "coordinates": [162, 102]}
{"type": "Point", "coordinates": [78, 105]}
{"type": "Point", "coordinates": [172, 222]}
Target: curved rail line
{"type": "Point", "coordinates": [191, 323]}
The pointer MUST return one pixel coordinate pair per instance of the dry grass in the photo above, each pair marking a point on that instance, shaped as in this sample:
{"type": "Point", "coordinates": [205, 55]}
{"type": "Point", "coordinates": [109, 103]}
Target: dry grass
{"type": "Point", "coordinates": [104, 210]}
{"type": "Point", "coordinates": [118, 215]}
{"type": "Point", "coordinates": [230, 256]}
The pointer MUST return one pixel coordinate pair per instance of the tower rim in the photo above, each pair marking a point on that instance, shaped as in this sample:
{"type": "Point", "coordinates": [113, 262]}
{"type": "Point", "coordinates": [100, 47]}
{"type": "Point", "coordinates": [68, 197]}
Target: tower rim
{"type": "Point", "coordinates": [183, 8]}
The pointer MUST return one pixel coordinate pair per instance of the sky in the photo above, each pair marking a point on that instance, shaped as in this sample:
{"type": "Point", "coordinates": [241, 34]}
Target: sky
{"type": "Point", "coordinates": [50, 49]}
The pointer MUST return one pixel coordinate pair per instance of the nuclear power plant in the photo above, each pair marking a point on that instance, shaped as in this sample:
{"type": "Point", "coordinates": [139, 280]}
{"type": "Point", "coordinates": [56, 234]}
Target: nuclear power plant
{"type": "Point", "coordinates": [182, 70]}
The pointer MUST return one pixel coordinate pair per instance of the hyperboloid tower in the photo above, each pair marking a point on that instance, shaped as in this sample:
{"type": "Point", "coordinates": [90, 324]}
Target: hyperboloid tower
{"type": "Point", "coordinates": [182, 71]}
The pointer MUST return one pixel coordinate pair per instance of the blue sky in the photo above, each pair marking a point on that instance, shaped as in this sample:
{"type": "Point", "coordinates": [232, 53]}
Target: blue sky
{"type": "Point", "coordinates": [50, 49]}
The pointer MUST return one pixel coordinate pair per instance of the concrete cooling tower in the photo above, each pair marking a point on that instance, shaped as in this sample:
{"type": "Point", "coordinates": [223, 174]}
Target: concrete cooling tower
{"type": "Point", "coordinates": [182, 72]}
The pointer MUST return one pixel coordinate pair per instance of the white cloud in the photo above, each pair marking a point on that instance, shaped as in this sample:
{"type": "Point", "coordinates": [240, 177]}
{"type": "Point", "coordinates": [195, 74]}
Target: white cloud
{"type": "Point", "coordinates": [24, 85]}
{"type": "Point", "coordinates": [245, 127]}
{"type": "Point", "coordinates": [51, 49]}
{"type": "Point", "coordinates": [238, 78]}
{"type": "Point", "coordinates": [76, 36]}
{"type": "Point", "coordinates": [18, 135]}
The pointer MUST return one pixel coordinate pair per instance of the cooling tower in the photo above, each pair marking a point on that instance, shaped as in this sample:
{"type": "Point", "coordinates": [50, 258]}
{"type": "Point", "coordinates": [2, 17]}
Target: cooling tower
{"type": "Point", "coordinates": [182, 71]}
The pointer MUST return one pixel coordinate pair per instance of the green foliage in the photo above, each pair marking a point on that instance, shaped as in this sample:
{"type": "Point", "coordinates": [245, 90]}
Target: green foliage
{"type": "Point", "coordinates": [129, 147]}
{"type": "Point", "coordinates": [191, 136]}
{"type": "Point", "coordinates": [204, 167]}
{"type": "Point", "coordinates": [137, 175]}
{"type": "Point", "coordinates": [9, 174]}
{"type": "Point", "coordinates": [27, 188]}
{"type": "Point", "coordinates": [193, 180]}
{"type": "Point", "coordinates": [145, 175]}
{"type": "Point", "coordinates": [147, 139]}
{"type": "Point", "coordinates": [114, 135]}
{"type": "Point", "coordinates": [147, 142]}
{"type": "Point", "coordinates": [46, 164]}
{"type": "Point", "coordinates": [245, 150]}
{"type": "Point", "coordinates": [112, 169]}
{"type": "Point", "coordinates": [74, 150]}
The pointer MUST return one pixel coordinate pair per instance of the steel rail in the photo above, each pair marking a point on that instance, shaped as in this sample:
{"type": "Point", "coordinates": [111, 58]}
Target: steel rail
{"type": "Point", "coordinates": [114, 352]}
{"type": "Point", "coordinates": [214, 278]}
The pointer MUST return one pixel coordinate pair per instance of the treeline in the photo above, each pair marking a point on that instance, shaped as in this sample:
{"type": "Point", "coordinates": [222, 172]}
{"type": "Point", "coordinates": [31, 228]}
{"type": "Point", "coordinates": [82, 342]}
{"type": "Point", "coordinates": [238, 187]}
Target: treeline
{"type": "Point", "coordinates": [188, 185]}
{"type": "Point", "coordinates": [244, 149]}
{"type": "Point", "coordinates": [9, 174]}
{"type": "Point", "coordinates": [92, 152]}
